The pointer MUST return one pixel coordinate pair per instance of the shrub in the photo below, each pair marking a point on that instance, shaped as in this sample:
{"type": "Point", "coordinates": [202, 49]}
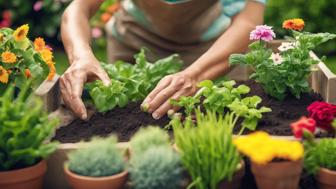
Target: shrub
{"type": "Point", "coordinates": [159, 167]}
{"type": "Point", "coordinates": [321, 154]}
{"type": "Point", "coordinates": [98, 158]}
{"type": "Point", "coordinates": [24, 130]}
{"type": "Point", "coordinates": [207, 150]}
{"type": "Point", "coordinates": [148, 137]}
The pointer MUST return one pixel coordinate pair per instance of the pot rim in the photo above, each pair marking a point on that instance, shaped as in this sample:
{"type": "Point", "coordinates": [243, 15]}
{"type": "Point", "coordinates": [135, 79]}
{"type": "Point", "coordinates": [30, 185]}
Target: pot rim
{"type": "Point", "coordinates": [329, 171]}
{"type": "Point", "coordinates": [15, 171]}
{"type": "Point", "coordinates": [88, 178]}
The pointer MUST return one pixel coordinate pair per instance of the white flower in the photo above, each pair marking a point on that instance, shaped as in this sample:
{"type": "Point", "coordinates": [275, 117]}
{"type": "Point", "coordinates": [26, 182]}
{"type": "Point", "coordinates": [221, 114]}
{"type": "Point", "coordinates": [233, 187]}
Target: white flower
{"type": "Point", "coordinates": [285, 46]}
{"type": "Point", "coordinates": [277, 59]}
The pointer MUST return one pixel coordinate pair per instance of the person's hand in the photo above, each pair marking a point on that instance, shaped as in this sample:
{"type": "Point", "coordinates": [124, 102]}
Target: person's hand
{"type": "Point", "coordinates": [170, 87]}
{"type": "Point", "coordinates": [82, 70]}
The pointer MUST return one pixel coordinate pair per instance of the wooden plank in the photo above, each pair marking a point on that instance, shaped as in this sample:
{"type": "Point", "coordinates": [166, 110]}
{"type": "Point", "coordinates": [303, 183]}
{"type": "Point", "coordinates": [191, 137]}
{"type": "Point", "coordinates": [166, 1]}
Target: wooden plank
{"type": "Point", "coordinates": [50, 94]}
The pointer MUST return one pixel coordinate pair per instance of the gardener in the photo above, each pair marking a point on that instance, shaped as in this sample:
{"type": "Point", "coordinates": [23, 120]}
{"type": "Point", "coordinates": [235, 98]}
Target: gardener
{"type": "Point", "coordinates": [203, 32]}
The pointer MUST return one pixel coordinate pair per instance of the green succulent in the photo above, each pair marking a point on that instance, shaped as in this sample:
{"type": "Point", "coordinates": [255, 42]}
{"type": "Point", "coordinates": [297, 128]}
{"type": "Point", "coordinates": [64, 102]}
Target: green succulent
{"type": "Point", "coordinates": [98, 158]}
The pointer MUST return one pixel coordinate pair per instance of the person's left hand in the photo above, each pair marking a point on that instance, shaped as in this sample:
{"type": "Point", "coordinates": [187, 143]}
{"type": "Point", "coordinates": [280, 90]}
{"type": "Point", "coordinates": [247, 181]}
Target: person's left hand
{"type": "Point", "coordinates": [170, 87]}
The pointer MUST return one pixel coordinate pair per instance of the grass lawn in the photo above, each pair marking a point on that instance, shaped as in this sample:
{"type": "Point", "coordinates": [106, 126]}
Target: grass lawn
{"type": "Point", "coordinates": [62, 61]}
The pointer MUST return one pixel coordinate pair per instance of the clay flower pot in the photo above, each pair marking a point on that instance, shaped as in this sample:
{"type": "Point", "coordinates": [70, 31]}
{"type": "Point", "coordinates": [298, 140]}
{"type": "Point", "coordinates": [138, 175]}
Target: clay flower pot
{"type": "Point", "coordinates": [117, 181]}
{"type": "Point", "coordinates": [326, 179]}
{"type": "Point", "coordinates": [236, 179]}
{"type": "Point", "coordinates": [278, 175]}
{"type": "Point", "coordinates": [26, 178]}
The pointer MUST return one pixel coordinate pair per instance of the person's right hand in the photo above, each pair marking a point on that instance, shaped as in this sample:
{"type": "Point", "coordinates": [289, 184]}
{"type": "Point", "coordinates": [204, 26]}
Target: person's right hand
{"type": "Point", "coordinates": [82, 70]}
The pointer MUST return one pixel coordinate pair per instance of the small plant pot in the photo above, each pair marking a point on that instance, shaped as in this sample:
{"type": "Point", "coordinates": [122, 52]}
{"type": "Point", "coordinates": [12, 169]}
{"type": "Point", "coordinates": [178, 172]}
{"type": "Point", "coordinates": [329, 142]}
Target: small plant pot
{"type": "Point", "coordinates": [236, 179]}
{"type": "Point", "coordinates": [326, 179]}
{"type": "Point", "coordinates": [26, 178]}
{"type": "Point", "coordinates": [278, 175]}
{"type": "Point", "coordinates": [117, 181]}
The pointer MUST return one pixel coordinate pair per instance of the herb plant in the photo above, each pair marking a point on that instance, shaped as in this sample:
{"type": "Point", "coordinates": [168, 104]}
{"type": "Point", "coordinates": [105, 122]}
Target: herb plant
{"type": "Point", "coordinates": [286, 72]}
{"type": "Point", "coordinates": [98, 158]}
{"type": "Point", "coordinates": [320, 154]}
{"type": "Point", "coordinates": [222, 98]}
{"type": "Point", "coordinates": [131, 82]}
{"type": "Point", "coordinates": [207, 149]}
{"type": "Point", "coordinates": [24, 130]}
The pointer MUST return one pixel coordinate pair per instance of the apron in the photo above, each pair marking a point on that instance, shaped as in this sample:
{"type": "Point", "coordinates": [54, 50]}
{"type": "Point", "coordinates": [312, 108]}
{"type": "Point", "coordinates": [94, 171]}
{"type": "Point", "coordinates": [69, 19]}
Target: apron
{"type": "Point", "coordinates": [174, 28]}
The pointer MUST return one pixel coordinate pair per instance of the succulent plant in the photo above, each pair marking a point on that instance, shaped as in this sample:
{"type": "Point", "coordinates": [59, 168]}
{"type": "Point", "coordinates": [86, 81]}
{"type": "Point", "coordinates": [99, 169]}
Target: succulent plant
{"type": "Point", "coordinates": [148, 137]}
{"type": "Point", "coordinates": [98, 158]}
{"type": "Point", "coordinates": [156, 168]}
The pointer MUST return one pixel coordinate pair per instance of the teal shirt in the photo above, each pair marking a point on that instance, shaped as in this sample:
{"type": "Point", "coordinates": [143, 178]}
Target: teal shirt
{"type": "Point", "coordinates": [230, 8]}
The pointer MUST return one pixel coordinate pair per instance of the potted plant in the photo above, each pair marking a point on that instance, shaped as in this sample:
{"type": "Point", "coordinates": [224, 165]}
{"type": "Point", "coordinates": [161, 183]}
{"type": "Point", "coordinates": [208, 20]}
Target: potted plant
{"type": "Point", "coordinates": [319, 158]}
{"type": "Point", "coordinates": [286, 72]}
{"type": "Point", "coordinates": [154, 164]}
{"type": "Point", "coordinates": [24, 145]}
{"type": "Point", "coordinates": [276, 163]}
{"type": "Point", "coordinates": [99, 164]}
{"type": "Point", "coordinates": [207, 151]}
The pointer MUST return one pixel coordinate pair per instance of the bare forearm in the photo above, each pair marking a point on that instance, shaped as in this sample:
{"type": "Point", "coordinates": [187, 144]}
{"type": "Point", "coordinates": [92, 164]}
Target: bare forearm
{"type": "Point", "coordinates": [214, 62]}
{"type": "Point", "coordinates": [75, 28]}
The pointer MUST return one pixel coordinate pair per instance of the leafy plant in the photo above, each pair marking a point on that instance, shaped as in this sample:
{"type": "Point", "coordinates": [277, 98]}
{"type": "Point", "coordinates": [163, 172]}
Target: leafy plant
{"type": "Point", "coordinates": [148, 137]}
{"type": "Point", "coordinates": [320, 155]}
{"type": "Point", "coordinates": [222, 98]}
{"type": "Point", "coordinates": [21, 60]}
{"type": "Point", "coordinates": [156, 168]}
{"type": "Point", "coordinates": [24, 131]}
{"type": "Point", "coordinates": [131, 82]}
{"type": "Point", "coordinates": [98, 158]}
{"type": "Point", "coordinates": [285, 72]}
{"type": "Point", "coordinates": [207, 150]}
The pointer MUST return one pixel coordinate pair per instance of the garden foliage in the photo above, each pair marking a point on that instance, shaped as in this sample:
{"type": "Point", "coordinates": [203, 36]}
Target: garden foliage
{"type": "Point", "coordinates": [24, 130]}
{"type": "Point", "coordinates": [225, 97]}
{"type": "Point", "coordinates": [207, 150]}
{"type": "Point", "coordinates": [131, 82]}
{"type": "Point", "coordinates": [286, 72]}
{"type": "Point", "coordinates": [98, 158]}
{"type": "Point", "coordinates": [320, 154]}
{"type": "Point", "coordinates": [153, 163]}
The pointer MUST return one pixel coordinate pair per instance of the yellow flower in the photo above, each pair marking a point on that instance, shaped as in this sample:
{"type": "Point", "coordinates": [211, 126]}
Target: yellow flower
{"type": "Point", "coordinates": [8, 57]}
{"type": "Point", "coordinates": [294, 24]}
{"type": "Point", "coordinates": [39, 44]}
{"type": "Point", "coordinates": [3, 75]}
{"type": "Point", "coordinates": [1, 37]}
{"type": "Point", "coordinates": [21, 32]}
{"type": "Point", "coordinates": [46, 55]}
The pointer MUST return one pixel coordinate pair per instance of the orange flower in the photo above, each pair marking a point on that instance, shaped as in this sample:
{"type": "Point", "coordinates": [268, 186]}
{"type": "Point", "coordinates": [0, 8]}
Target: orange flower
{"type": "Point", "coordinates": [3, 75]}
{"type": "Point", "coordinates": [27, 73]}
{"type": "Point", "coordinates": [21, 32]}
{"type": "Point", "coordinates": [52, 70]}
{"type": "Point", "coordinates": [39, 44]}
{"type": "Point", "coordinates": [46, 55]}
{"type": "Point", "coordinates": [105, 17]}
{"type": "Point", "coordinates": [294, 24]}
{"type": "Point", "coordinates": [8, 57]}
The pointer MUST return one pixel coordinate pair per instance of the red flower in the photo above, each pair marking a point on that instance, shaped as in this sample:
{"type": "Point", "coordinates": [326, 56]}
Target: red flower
{"type": "Point", "coordinates": [323, 113]}
{"type": "Point", "coordinates": [303, 124]}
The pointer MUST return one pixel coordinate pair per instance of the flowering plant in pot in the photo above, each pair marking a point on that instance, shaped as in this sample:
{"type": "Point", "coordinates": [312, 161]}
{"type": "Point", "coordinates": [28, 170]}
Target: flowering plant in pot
{"type": "Point", "coordinates": [24, 132]}
{"type": "Point", "coordinates": [207, 151]}
{"type": "Point", "coordinates": [153, 162]}
{"type": "Point", "coordinates": [286, 72]}
{"type": "Point", "coordinates": [276, 163]}
{"type": "Point", "coordinates": [98, 164]}
{"type": "Point", "coordinates": [22, 60]}
{"type": "Point", "coordinates": [319, 159]}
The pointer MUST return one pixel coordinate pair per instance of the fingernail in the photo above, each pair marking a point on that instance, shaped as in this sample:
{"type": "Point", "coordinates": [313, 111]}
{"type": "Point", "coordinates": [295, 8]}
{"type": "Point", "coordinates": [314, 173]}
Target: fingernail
{"type": "Point", "coordinates": [156, 116]}
{"type": "Point", "coordinates": [84, 116]}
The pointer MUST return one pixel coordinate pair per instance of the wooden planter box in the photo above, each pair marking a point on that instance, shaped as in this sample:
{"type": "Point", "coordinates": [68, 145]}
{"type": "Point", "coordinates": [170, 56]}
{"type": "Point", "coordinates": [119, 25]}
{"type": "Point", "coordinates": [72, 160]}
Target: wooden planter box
{"type": "Point", "coordinates": [50, 94]}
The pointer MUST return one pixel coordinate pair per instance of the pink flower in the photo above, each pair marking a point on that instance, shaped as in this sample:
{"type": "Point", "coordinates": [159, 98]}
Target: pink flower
{"type": "Point", "coordinates": [38, 6]}
{"type": "Point", "coordinates": [277, 59]}
{"type": "Point", "coordinates": [262, 32]}
{"type": "Point", "coordinates": [302, 125]}
{"type": "Point", "coordinates": [96, 32]}
{"type": "Point", "coordinates": [323, 113]}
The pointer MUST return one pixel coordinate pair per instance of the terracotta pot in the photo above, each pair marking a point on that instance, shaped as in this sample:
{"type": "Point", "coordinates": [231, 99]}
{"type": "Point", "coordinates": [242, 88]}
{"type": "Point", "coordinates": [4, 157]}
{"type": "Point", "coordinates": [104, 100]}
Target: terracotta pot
{"type": "Point", "coordinates": [326, 179]}
{"type": "Point", "coordinates": [117, 181]}
{"type": "Point", "coordinates": [26, 178]}
{"type": "Point", "coordinates": [236, 179]}
{"type": "Point", "coordinates": [278, 175]}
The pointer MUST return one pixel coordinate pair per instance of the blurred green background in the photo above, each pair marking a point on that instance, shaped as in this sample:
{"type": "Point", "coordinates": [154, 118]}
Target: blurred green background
{"type": "Point", "coordinates": [44, 16]}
